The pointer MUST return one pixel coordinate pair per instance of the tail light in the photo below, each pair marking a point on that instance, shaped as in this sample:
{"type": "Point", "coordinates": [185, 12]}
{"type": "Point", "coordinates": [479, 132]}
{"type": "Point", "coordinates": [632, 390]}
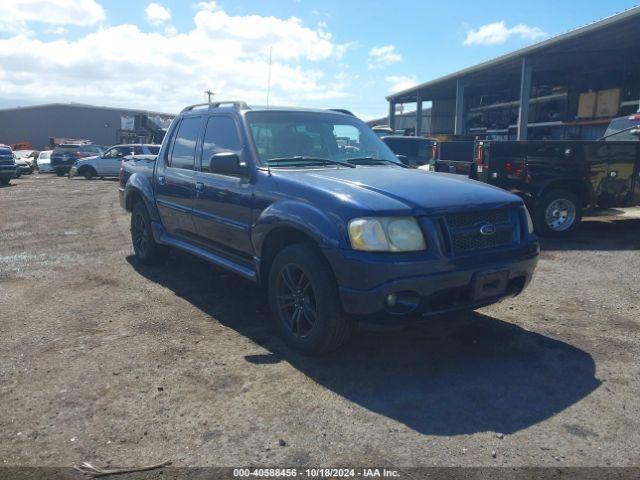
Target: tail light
{"type": "Point", "coordinates": [479, 158]}
{"type": "Point", "coordinates": [516, 170]}
{"type": "Point", "coordinates": [434, 151]}
{"type": "Point", "coordinates": [480, 155]}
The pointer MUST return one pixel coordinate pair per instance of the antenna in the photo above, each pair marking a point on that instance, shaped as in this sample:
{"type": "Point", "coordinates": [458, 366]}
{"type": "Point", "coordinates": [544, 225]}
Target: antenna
{"type": "Point", "coordinates": [269, 76]}
{"type": "Point", "coordinates": [209, 94]}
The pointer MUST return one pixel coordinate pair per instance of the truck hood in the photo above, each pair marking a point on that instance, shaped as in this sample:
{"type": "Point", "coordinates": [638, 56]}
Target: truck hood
{"type": "Point", "coordinates": [399, 190]}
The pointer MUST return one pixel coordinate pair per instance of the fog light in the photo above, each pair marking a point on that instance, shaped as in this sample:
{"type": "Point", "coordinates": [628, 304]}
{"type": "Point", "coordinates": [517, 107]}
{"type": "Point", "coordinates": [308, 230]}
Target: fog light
{"type": "Point", "coordinates": [392, 298]}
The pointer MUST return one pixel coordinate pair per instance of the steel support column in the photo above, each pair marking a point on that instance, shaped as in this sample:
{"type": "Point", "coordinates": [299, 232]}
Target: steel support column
{"type": "Point", "coordinates": [392, 115]}
{"type": "Point", "coordinates": [525, 96]}
{"type": "Point", "coordinates": [459, 120]}
{"type": "Point", "coordinates": [418, 131]}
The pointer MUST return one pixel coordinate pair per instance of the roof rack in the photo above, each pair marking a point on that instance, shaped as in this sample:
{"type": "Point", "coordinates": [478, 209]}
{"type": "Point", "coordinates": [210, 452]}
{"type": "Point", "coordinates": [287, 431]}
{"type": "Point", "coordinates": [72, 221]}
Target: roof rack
{"type": "Point", "coordinates": [237, 104]}
{"type": "Point", "coordinates": [342, 110]}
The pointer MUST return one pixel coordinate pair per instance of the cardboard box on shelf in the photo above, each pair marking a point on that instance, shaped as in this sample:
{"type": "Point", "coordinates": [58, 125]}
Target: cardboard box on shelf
{"type": "Point", "coordinates": [587, 105]}
{"type": "Point", "coordinates": [608, 103]}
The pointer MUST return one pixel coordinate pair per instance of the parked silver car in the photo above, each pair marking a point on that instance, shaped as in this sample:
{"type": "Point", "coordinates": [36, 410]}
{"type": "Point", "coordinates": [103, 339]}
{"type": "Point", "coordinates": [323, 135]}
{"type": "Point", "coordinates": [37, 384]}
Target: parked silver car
{"type": "Point", "coordinates": [108, 164]}
{"type": "Point", "coordinates": [44, 162]}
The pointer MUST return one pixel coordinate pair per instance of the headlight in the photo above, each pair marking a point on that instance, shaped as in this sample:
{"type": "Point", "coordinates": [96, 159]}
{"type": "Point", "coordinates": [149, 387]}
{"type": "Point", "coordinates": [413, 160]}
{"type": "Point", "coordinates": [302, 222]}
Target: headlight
{"type": "Point", "coordinates": [386, 234]}
{"type": "Point", "coordinates": [529, 221]}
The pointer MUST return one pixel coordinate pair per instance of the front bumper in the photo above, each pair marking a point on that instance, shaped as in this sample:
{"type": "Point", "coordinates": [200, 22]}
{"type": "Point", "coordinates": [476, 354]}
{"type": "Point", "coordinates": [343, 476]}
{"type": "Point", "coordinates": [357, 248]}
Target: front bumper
{"type": "Point", "coordinates": [434, 290]}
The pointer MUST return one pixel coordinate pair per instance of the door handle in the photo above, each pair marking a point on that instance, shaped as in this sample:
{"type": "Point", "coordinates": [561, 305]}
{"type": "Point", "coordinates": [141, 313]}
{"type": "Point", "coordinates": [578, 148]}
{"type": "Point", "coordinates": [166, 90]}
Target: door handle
{"type": "Point", "coordinates": [162, 180]}
{"type": "Point", "coordinates": [199, 187]}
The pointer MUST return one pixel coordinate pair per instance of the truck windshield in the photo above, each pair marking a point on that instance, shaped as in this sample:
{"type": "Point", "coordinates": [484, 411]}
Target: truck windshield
{"type": "Point", "coordinates": [620, 129]}
{"type": "Point", "coordinates": [307, 137]}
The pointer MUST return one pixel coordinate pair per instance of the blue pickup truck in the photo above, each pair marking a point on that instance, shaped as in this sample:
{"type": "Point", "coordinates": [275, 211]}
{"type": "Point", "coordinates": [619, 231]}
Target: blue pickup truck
{"type": "Point", "coordinates": [8, 167]}
{"type": "Point", "coordinates": [336, 230]}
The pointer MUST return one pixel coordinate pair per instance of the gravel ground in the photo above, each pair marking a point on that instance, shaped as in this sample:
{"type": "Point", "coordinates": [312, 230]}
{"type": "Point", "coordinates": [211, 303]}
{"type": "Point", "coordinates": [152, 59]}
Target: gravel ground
{"type": "Point", "coordinates": [104, 360]}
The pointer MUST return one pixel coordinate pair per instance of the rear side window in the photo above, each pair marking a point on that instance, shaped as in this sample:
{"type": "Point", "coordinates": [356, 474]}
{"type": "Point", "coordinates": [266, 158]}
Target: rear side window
{"type": "Point", "coordinates": [5, 151]}
{"type": "Point", "coordinates": [221, 135]}
{"type": "Point", "coordinates": [184, 144]}
{"type": "Point", "coordinates": [90, 149]}
{"type": "Point", "coordinates": [66, 149]}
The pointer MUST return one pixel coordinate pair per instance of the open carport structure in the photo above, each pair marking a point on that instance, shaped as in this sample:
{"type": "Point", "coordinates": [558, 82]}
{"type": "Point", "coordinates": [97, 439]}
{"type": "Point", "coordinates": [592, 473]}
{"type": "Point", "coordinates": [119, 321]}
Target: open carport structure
{"type": "Point", "coordinates": [568, 86]}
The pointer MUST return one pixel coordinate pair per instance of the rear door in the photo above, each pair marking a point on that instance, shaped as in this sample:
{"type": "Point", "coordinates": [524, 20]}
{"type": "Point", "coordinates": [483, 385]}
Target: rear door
{"type": "Point", "coordinates": [175, 178]}
{"type": "Point", "coordinates": [222, 204]}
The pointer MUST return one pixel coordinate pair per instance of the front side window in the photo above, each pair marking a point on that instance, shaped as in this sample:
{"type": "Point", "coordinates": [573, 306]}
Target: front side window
{"type": "Point", "coordinates": [280, 135]}
{"type": "Point", "coordinates": [184, 144]}
{"type": "Point", "coordinates": [220, 135]}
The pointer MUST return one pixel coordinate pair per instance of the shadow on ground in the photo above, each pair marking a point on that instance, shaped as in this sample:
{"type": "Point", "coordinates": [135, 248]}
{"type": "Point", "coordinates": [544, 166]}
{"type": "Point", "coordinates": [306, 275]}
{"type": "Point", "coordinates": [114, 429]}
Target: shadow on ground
{"type": "Point", "coordinates": [454, 375]}
{"type": "Point", "coordinates": [596, 233]}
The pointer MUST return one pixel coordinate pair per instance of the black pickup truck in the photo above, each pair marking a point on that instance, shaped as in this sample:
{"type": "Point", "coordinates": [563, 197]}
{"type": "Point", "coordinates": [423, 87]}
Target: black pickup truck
{"type": "Point", "coordinates": [559, 180]}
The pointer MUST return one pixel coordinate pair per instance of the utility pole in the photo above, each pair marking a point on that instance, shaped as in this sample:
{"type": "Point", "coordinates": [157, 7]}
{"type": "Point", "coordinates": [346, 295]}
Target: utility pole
{"type": "Point", "coordinates": [209, 94]}
{"type": "Point", "coordinates": [269, 75]}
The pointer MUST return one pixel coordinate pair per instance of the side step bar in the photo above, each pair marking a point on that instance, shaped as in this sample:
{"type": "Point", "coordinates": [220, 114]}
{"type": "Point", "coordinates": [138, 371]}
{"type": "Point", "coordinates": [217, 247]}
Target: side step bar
{"type": "Point", "coordinates": [164, 238]}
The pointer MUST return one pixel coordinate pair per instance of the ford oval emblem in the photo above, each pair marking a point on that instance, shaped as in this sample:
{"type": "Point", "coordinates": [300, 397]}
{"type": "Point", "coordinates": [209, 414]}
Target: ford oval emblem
{"type": "Point", "coordinates": [488, 229]}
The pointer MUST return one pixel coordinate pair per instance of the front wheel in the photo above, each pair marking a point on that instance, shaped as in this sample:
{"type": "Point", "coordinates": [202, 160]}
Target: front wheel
{"type": "Point", "coordinates": [88, 173]}
{"type": "Point", "coordinates": [558, 214]}
{"type": "Point", "coordinates": [303, 297]}
{"type": "Point", "coordinates": [147, 250]}
{"type": "Point", "coordinates": [4, 181]}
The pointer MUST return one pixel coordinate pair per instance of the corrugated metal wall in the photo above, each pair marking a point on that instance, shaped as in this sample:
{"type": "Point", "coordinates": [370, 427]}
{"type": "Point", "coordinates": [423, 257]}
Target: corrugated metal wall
{"type": "Point", "coordinates": [36, 125]}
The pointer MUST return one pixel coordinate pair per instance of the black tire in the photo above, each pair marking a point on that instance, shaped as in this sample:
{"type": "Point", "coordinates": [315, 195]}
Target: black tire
{"type": "Point", "coordinates": [4, 181]}
{"type": "Point", "coordinates": [557, 222]}
{"type": "Point", "coordinates": [60, 173]}
{"type": "Point", "coordinates": [145, 247]}
{"type": "Point", "coordinates": [88, 172]}
{"type": "Point", "coordinates": [304, 300]}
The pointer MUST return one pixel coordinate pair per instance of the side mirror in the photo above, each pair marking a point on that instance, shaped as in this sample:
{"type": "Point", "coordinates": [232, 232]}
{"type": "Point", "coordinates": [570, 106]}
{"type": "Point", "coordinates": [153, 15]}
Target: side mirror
{"type": "Point", "coordinates": [227, 163]}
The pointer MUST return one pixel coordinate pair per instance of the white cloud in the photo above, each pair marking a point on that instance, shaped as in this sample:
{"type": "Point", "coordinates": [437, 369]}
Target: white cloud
{"type": "Point", "coordinates": [497, 33]}
{"type": "Point", "coordinates": [156, 14]}
{"type": "Point", "coordinates": [380, 57]}
{"type": "Point", "coordinates": [169, 69]}
{"type": "Point", "coordinates": [397, 83]}
{"type": "Point", "coordinates": [56, 31]}
{"type": "Point", "coordinates": [15, 14]}
{"type": "Point", "coordinates": [210, 6]}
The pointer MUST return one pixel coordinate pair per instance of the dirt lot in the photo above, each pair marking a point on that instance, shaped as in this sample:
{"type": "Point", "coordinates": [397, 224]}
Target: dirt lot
{"type": "Point", "coordinates": [102, 359]}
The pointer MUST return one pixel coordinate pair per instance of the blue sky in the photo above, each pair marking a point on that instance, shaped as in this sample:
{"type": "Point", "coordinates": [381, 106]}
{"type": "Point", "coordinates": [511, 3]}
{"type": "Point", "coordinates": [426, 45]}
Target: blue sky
{"type": "Point", "coordinates": [347, 54]}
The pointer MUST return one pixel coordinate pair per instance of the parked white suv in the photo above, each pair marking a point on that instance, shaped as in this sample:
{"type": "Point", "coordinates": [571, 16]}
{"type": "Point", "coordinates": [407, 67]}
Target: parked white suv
{"type": "Point", "coordinates": [108, 164]}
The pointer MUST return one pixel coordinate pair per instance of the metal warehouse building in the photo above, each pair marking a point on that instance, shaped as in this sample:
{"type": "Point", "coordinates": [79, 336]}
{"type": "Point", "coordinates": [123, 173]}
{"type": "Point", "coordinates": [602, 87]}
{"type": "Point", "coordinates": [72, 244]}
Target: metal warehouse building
{"type": "Point", "coordinates": [566, 87]}
{"type": "Point", "coordinates": [39, 124]}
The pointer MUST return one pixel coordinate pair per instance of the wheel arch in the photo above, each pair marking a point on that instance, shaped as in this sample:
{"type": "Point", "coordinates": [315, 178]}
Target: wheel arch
{"type": "Point", "coordinates": [139, 189]}
{"type": "Point", "coordinates": [280, 226]}
{"type": "Point", "coordinates": [581, 188]}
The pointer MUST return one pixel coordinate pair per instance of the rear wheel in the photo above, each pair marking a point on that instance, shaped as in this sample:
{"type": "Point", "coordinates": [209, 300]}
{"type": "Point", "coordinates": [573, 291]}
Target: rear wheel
{"type": "Point", "coordinates": [558, 213]}
{"type": "Point", "coordinates": [4, 181]}
{"type": "Point", "coordinates": [60, 173]}
{"type": "Point", "coordinates": [147, 250]}
{"type": "Point", "coordinates": [303, 297]}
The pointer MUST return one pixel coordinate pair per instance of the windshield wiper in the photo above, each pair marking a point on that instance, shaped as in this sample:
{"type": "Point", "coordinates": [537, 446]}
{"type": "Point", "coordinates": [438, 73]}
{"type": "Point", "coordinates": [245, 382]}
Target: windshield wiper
{"type": "Point", "coordinates": [375, 161]}
{"type": "Point", "coordinates": [302, 158]}
{"type": "Point", "coordinates": [632, 127]}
